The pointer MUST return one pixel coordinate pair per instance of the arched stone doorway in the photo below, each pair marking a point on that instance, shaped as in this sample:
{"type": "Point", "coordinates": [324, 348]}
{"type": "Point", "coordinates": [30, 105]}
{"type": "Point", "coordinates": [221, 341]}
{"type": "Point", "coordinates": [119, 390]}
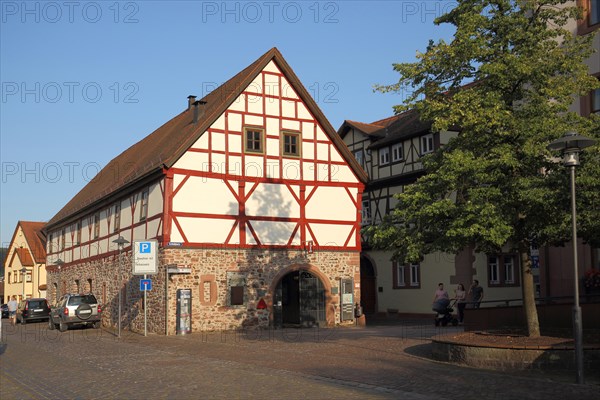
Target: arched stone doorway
{"type": "Point", "coordinates": [368, 286]}
{"type": "Point", "coordinates": [301, 298]}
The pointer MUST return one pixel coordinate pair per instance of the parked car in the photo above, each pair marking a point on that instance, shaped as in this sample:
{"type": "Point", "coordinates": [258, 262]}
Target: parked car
{"type": "Point", "coordinates": [4, 310]}
{"type": "Point", "coordinates": [75, 309]}
{"type": "Point", "coordinates": [32, 310]}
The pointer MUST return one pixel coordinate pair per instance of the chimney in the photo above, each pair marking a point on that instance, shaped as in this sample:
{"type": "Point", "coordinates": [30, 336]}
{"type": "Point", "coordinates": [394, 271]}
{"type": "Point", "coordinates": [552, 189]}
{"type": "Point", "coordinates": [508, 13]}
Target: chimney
{"type": "Point", "coordinates": [191, 100]}
{"type": "Point", "coordinates": [197, 111]}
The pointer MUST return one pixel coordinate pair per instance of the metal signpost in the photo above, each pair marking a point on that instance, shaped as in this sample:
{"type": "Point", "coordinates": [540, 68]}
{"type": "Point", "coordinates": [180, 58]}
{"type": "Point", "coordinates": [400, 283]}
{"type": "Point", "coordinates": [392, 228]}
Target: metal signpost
{"type": "Point", "coordinates": [145, 262]}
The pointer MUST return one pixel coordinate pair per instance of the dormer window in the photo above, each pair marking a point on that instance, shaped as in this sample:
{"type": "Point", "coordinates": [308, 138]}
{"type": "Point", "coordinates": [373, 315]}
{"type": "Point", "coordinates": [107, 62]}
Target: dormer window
{"type": "Point", "coordinates": [397, 152]}
{"type": "Point", "coordinates": [384, 156]}
{"type": "Point", "coordinates": [426, 144]}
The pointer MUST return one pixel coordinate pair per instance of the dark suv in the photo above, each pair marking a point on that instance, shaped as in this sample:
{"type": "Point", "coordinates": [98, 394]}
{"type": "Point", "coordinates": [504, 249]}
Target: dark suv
{"type": "Point", "coordinates": [75, 309]}
{"type": "Point", "coordinates": [32, 309]}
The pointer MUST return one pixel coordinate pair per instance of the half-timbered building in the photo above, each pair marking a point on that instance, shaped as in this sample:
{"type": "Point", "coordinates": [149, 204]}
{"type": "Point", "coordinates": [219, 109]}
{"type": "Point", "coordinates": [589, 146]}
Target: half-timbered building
{"type": "Point", "coordinates": [24, 266]}
{"type": "Point", "coordinates": [249, 192]}
{"type": "Point", "coordinates": [391, 151]}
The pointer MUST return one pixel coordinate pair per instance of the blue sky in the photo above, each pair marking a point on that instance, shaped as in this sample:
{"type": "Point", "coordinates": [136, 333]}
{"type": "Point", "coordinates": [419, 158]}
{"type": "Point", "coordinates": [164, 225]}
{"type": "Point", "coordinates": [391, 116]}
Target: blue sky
{"type": "Point", "coordinates": [83, 81]}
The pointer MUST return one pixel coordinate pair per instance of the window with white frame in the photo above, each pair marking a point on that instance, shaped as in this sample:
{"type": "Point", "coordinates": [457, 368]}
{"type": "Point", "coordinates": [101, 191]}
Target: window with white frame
{"type": "Point", "coordinates": [366, 211]}
{"type": "Point", "coordinates": [503, 270]}
{"type": "Point", "coordinates": [426, 144]}
{"type": "Point", "coordinates": [406, 276]}
{"type": "Point", "coordinates": [400, 281]}
{"type": "Point", "coordinates": [384, 156]}
{"type": "Point", "coordinates": [493, 270]}
{"type": "Point", "coordinates": [397, 152]}
{"type": "Point", "coordinates": [509, 269]}
{"type": "Point", "coordinates": [414, 275]}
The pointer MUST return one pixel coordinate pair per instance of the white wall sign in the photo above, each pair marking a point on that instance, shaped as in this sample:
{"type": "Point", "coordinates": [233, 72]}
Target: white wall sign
{"type": "Point", "coordinates": [145, 257]}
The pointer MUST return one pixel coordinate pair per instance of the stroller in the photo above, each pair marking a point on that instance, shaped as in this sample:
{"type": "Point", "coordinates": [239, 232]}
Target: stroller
{"type": "Point", "coordinates": [444, 310]}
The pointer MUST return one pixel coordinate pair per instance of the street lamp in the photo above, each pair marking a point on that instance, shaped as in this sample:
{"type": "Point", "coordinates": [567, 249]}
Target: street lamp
{"type": "Point", "coordinates": [120, 242]}
{"type": "Point", "coordinates": [23, 271]}
{"type": "Point", "coordinates": [571, 145]}
{"type": "Point", "coordinates": [59, 264]}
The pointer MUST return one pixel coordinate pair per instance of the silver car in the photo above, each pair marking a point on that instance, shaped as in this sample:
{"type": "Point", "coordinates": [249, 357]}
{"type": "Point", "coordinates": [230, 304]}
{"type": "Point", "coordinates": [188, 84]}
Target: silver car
{"type": "Point", "coordinates": [75, 309]}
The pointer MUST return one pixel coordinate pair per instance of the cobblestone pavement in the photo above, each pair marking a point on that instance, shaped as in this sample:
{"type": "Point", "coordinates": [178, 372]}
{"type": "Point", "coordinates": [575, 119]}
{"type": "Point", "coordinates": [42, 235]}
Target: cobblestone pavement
{"type": "Point", "coordinates": [386, 362]}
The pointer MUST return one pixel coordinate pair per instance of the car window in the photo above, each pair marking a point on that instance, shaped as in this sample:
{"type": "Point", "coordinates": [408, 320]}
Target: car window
{"type": "Point", "coordinates": [77, 300]}
{"type": "Point", "coordinates": [37, 304]}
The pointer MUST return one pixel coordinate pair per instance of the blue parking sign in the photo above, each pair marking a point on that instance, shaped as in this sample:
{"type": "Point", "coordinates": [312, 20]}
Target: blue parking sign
{"type": "Point", "coordinates": [145, 247]}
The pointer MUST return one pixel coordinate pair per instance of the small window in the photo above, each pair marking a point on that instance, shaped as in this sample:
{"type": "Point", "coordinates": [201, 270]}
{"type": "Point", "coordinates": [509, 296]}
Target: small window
{"type": "Point", "coordinates": [407, 276]}
{"type": "Point", "coordinates": [237, 295]}
{"type": "Point", "coordinates": [509, 270]}
{"type": "Point", "coordinates": [50, 243]}
{"type": "Point", "coordinates": [384, 156]}
{"type": "Point", "coordinates": [493, 268]}
{"type": "Point", "coordinates": [414, 275]}
{"type": "Point", "coordinates": [78, 232]}
{"type": "Point", "coordinates": [366, 211]}
{"type": "Point", "coordinates": [360, 157]}
{"type": "Point", "coordinates": [89, 286]}
{"type": "Point", "coordinates": [594, 12]}
{"type": "Point", "coordinates": [254, 140]}
{"type": "Point", "coordinates": [291, 144]}
{"type": "Point", "coordinates": [503, 270]}
{"type": "Point", "coordinates": [97, 226]}
{"type": "Point", "coordinates": [426, 144]}
{"type": "Point", "coordinates": [595, 102]}
{"type": "Point", "coordinates": [63, 238]}
{"type": "Point", "coordinates": [117, 217]}
{"type": "Point", "coordinates": [397, 152]}
{"type": "Point", "coordinates": [400, 282]}
{"type": "Point", "coordinates": [236, 283]}
{"type": "Point", "coordinates": [144, 205]}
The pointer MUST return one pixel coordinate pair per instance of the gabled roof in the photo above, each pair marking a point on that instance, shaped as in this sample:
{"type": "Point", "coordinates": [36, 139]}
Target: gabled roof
{"type": "Point", "coordinates": [163, 147]}
{"type": "Point", "coordinates": [24, 257]}
{"type": "Point", "coordinates": [36, 241]}
{"type": "Point", "coordinates": [388, 130]}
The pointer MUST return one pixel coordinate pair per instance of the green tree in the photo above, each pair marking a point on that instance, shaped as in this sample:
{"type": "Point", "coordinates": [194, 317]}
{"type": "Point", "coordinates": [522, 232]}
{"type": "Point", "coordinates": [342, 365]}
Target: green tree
{"type": "Point", "coordinates": [506, 80]}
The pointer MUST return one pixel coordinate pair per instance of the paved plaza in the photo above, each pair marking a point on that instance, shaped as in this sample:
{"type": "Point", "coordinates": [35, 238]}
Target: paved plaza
{"type": "Point", "coordinates": [383, 362]}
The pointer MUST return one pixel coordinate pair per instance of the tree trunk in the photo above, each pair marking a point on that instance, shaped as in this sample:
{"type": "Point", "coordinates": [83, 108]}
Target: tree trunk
{"type": "Point", "coordinates": [531, 316]}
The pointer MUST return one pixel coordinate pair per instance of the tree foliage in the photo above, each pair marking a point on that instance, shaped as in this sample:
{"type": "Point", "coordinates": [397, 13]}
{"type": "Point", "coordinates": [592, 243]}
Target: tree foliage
{"type": "Point", "coordinates": [507, 80]}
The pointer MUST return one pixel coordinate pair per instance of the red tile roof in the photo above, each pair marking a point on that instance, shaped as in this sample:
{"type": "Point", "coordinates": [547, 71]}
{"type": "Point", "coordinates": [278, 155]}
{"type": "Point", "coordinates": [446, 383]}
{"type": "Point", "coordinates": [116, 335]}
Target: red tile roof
{"type": "Point", "coordinates": [36, 241]}
{"type": "Point", "coordinates": [24, 257]}
{"type": "Point", "coordinates": [162, 148]}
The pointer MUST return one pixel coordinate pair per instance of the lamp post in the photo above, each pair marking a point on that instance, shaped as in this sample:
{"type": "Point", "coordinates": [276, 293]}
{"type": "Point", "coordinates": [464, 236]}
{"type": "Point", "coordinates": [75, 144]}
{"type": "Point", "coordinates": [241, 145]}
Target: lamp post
{"type": "Point", "coordinates": [120, 242]}
{"type": "Point", "coordinates": [59, 264]}
{"type": "Point", "coordinates": [571, 144]}
{"type": "Point", "coordinates": [23, 271]}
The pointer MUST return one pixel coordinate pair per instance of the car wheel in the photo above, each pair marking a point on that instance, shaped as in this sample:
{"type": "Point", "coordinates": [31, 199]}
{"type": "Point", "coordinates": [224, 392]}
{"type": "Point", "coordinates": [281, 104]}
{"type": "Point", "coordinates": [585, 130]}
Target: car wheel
{"type": "Point", "coordinates": [50, 324]}
{"type": "Point", "coordinates": [62, 326]}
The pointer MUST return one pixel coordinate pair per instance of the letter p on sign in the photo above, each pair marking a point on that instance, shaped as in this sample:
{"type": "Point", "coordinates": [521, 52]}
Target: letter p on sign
{"type": "Point", "coordinates": [145, 247]}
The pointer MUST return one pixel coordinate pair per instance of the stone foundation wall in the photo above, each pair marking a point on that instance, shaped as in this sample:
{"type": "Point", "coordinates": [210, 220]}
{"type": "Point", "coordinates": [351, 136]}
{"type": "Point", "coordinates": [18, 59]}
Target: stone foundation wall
{"type": "Point", "coordinates": [212, 272]}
